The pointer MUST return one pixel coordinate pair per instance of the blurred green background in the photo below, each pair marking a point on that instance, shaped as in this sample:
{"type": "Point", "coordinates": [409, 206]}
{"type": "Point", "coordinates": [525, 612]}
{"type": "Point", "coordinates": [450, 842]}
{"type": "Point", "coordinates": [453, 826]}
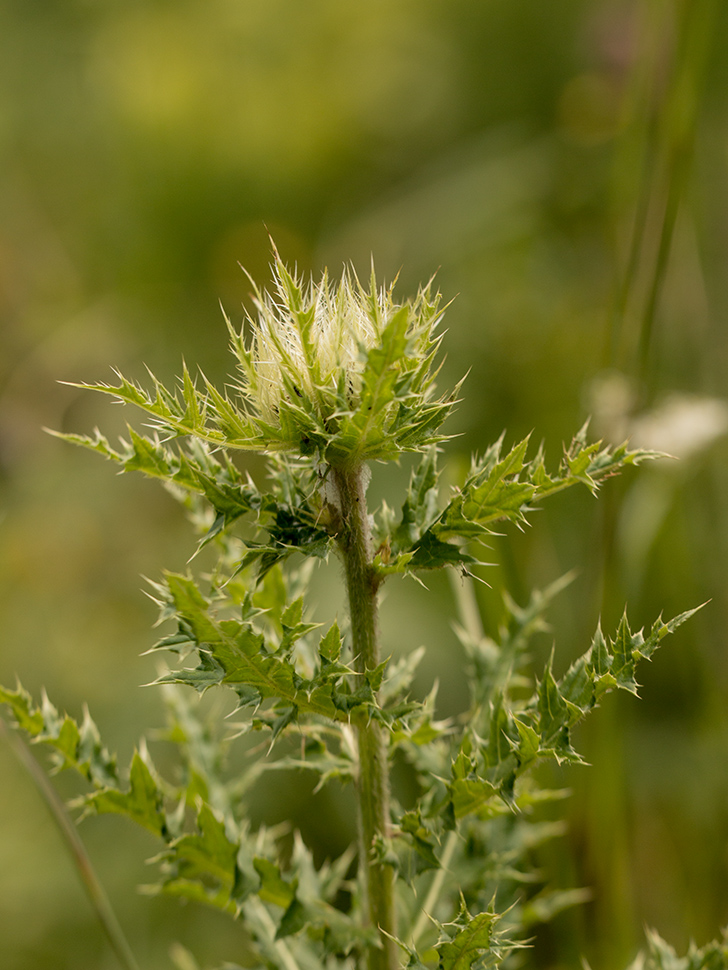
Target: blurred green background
{"type": "Point", "coordinates": [563, 166]}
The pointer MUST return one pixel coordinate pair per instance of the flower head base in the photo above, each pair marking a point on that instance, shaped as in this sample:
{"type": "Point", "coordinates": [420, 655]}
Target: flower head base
{"type": "Point", "coordinates": [340, 372]}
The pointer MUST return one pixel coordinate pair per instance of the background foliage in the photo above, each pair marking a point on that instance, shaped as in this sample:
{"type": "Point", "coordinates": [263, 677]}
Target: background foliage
{"type": "Point", "coordinates": [564, 165]}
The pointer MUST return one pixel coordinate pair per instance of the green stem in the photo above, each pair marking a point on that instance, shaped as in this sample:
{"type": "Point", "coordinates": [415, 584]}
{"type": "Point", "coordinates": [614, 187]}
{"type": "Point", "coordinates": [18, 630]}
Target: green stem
{"type": "Point", "coordinates": [94, 890]}
{"type": "Point", "coordinates": [362, 584]}
{"type": "Point", "coordinates": [435, 890]}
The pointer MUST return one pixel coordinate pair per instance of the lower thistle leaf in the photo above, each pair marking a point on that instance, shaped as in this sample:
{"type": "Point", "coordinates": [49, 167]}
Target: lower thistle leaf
{"type": "Point", "coordinates": [142, 803]}
{"type": "Point", "coordinates": [470, 939]}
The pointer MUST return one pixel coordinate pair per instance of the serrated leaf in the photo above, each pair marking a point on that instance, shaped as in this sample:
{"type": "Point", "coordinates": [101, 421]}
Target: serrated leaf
{"type": "Point", "coordinates": [293, 920]}
{"type": "Point", "coordinates": [508, 487]}
{"type": "Point", "coordinates": [330, 643]}
{"type": "Point", "coordinates": [273, 887]}
{"type": "Point", "coordinates": [142, 803]}
{"type": "Point", "coordinates": [430, 552]}
{"type": "Point", "coordinates": [529, 743]}
{"type": "Point", "coordinates": [293, 627]}
{"type": "Point", "coordinates": [470, 939]}
{"type": "Point", "coordinates": [208, 852]}
{"type": "Point", "coordinates": [191, 890]}
{"type": "Point", "coordinates": [599, 656]}
{"type": "Point", "coordinates": [556, 714]}
{"type": "Point", "coordinates": [421, 839]}
{"type": "Point", "coordinates": [419, 509]}
{"type": "Point", "coordinates": [469, 796]}
{"type": "Point", "coordinates": [27, 717]}
{"type": "Point", "coordinates": [376, 675]}
{"type": "Point", "coordinates": [74, 747]}
{"type": "Point", "coordinates": [233, 653]}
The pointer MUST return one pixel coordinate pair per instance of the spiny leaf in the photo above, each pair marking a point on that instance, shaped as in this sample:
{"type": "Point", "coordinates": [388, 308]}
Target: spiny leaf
{"type": "Point", "coordinates": [232, 653]}
{"type": "Point", "coordinates": [330, 643]}
{"type": "Point", "coordinates": [27, 716]}
{"type": "Point", "coordinates": [486, 771]}
{"type": "Point", "coordinates": [500, 666]}
{"type": "Point", "coordinates": [421, 838]}
{"type": "Point", "coordinates": [206, 856]}
{"type": "Point", "coordinates": [293, 626]}
{"type": "Point", "coordinates": [76, 747]}
{"type": "Point", "coordinates": [273, 889]}
{"type": "Point", "coordinates": [507, 487]}
{"type": "Point", "coordinates": [556, 714]}
{"type": "Point", "coordinates": [469, 939]}
{"type": "Point", "coordinates": [142, 803]}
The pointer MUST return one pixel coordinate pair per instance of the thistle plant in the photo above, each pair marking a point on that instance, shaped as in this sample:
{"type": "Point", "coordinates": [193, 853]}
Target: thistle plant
{"type": "Point", "coordinates": [332, 380]}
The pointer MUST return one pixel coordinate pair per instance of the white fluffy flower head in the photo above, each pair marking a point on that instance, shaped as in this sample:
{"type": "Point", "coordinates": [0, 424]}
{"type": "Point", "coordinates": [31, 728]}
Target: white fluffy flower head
{"type": "Point", "coordinates": [307, 345]}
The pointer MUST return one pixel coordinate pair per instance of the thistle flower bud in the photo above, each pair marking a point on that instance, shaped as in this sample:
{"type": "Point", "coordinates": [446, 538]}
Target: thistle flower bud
{"type": "Point", "coordinates": [307, 342]}
{"type": "Point", "coordinates": [342, 374]}
{"type": "Point", "coordinates": [340, 371]}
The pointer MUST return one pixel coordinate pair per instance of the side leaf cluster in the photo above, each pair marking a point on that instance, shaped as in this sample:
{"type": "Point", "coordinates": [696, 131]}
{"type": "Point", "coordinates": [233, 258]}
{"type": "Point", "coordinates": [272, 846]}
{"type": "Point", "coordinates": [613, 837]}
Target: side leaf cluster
{"type": "Point", "coordinates": [477, 819]}
{"type": "Point", "coordinates": [257, 667]}
{"type": "Point", "coordinates": [286, 516]}
{"type": "Point", "coordinates": [518, 735]}
{"type": "Point", "coordinates": [498, 487]}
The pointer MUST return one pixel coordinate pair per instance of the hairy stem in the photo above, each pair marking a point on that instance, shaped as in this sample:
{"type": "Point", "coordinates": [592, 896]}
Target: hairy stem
{"type": "Point", "coordinates": [373, 777]}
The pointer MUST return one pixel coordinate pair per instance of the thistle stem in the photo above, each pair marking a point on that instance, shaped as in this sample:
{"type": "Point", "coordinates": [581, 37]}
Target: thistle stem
{"type": "Point", "coordinates": [372, 786]}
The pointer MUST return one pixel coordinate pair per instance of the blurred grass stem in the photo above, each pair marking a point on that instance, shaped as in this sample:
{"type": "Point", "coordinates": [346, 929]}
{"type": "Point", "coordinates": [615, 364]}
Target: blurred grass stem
{"type": "Point", "coordinates": [94, 890]}
{"type": "Point", "coordinates": [671, 129]}
{"type": "Point", "coordinates": [433, 893]}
